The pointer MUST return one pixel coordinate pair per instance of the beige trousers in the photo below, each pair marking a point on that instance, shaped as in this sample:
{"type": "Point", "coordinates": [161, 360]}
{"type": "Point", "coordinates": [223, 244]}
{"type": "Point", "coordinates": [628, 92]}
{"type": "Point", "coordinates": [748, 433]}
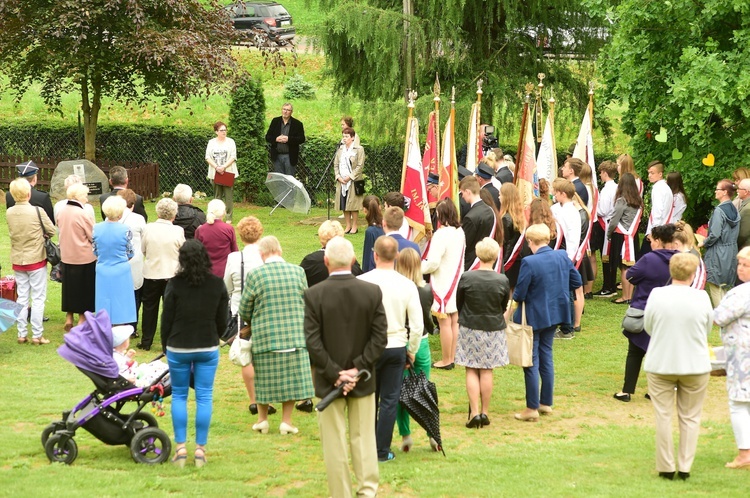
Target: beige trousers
{"type": "Point", "coordinates": [332, 424]}
{"type": "Point", "coordinates": [716, 293]}
{"type": "Point", "coordinates": [690, 393]}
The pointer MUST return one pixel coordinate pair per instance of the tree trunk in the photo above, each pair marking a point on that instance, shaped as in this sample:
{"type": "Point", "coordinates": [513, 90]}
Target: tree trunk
{"type": "Point", "coordinates": [90, 105]}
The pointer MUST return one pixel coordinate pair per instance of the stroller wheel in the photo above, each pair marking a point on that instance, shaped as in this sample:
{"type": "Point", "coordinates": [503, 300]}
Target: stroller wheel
{"type": "Point", "coordinates": [144, 417]}
{"type": "Point", "coordinates": [48, 431]}
{"type": "Point", "coordinates": [61, 448]}
{"type": "Point", "coordinates": [150, 446]}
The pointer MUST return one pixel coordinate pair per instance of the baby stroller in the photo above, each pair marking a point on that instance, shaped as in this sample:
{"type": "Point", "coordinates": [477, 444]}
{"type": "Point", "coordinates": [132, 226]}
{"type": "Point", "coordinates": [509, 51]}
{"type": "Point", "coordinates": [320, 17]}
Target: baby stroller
{"type": "Point", "coordinates": [114, 413]}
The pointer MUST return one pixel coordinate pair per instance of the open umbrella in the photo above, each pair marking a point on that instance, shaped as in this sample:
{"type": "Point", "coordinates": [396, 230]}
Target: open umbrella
{"type": "Point", "coordinates": [419, 398]}
{"type": "Point", "coordinates": [287, 191]}
{"type": "Point", "coordinates": [9, 310]}
{"type": "Point", "coordinates": [331, 396]}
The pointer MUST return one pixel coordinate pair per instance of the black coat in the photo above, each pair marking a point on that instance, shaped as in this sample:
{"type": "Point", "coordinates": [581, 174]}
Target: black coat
{"type": "Point", "coordinates": [38, 198]}
{"type": "Point", "coordinates": [494, 193]}
{"type": "Point", "coordinates": [138, 208]}
{"type": "Point", "coordinates": [296, 138]}
{"type": "Point", "coordinates": [477, 224]}
{"type": "Point", "coordinates": [504, 175]}
{"type": "Point", "coordinates": [316, 270]}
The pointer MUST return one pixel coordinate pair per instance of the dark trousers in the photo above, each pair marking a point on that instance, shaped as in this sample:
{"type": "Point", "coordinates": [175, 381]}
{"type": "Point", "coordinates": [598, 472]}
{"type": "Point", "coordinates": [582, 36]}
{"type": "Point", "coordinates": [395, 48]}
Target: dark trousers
{"type": "Point", "coordinates": [542, 367]}
{"type": "Point", "coordinates": [151, 294]}
{"type": "Point", "coordinates": [137, 308]}
{"type": "Point", "coordinates": [567, 328]}
{"type": "Point", "coordinates": [609, 270]}
{"type": "Point", "coordinates": [389, 372]}
{"type": "Point", "coordinates": [632, 367]}
{"type": "Point", "coordinates": [645, 247]}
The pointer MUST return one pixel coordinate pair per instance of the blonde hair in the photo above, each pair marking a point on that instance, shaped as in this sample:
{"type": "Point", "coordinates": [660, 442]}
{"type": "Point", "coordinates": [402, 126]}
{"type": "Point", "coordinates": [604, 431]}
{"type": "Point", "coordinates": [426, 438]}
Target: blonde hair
{"type": "Point", "coordinates": [487, 250]}
{"type": "Point", "coordinates": [328, 230]}
{"type": "Point", "coordinates": [586, 175]}
{"type": "Point", "coordinates": [410, 266]}
{"type": "Point", "coordinates": [78, 192]}
{"type": "Point", "coordinates": [744, 253]}
{"type": "Point", "coordinates": [510, 202]}
{"type": "Point", "coordinates": [114, 206]}
{"type": "Point", "coordinates": [166, 209]}
{"type": "Point", "coordinates": [682, 266]}
{"type": "Point", "coordinates": [216, 209]}
{"type": "Point", "coordinates": [538, 234]}
{"type": "Point", "coordinates": [20, 189]}
{"type": "Point", "coordinates": [684, 234]}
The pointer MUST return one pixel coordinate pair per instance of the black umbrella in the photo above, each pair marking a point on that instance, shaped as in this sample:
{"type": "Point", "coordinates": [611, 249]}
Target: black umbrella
{"type": "Point", "coordinates": [419, 398]}
{"type": "Point", "coordinates": [331, 396]}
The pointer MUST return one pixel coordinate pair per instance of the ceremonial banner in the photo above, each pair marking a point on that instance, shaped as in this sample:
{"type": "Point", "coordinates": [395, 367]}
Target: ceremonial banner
{"type": "Point", "coordinates": [413, 185]}
{"type": "Point", "coordinates": [448, 165]}
{"type": "Point", "coordinates": [546, 161]}
{"type": "Point", "coordinates": [585, 145]}
{"type": "Point", "coordinates": [430, 157]}
{"type": "Point", "coordinates": [526, 168]}
{"type": "Point", "coordinates": [472, 143]}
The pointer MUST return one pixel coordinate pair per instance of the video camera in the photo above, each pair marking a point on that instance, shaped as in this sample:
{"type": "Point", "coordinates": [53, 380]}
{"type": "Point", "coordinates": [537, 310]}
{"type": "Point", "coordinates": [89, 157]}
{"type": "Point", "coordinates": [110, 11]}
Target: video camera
{"type": "Point", "coordinates": [489, 141]}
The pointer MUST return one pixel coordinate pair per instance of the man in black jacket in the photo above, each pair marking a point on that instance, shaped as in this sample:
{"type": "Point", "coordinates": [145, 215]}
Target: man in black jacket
{"type": "Point", "coordinates": [188, 217]}
{"type": "Point", "coordinates": [285, 134]}
{"type": "Point", "coordinates": [118, 178]}
{"type": "Point", "coordinates": [478, 222]}
{"type": "Point", "coordinates": [29, 170]}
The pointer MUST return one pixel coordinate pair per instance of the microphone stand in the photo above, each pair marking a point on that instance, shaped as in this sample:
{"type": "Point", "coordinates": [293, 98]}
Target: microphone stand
{"type": "Point", "coordinates": [328, 184]}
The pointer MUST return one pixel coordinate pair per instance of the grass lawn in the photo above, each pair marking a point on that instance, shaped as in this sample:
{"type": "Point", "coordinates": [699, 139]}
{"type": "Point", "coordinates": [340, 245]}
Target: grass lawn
{"type": "Point", "coordinates": [592, 445]}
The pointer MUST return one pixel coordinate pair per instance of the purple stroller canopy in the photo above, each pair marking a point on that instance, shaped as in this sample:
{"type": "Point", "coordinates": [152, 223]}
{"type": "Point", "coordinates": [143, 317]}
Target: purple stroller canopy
{"type": "Point", "coordinates": [89, 345]}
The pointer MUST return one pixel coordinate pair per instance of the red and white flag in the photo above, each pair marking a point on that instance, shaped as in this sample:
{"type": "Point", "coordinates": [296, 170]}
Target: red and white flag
{"type": "Point", "coordinates": [413, 185]}
{"type": "Point", "coordinates": [448, 165]}
{"type": "Point", "coordinates": [431, 153]}
{"type": "Point", "coordinates": [585, 145]}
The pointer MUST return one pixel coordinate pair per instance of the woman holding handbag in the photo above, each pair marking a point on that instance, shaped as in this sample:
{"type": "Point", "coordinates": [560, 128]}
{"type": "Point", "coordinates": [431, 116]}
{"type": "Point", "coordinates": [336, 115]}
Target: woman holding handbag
{"type": "Point", "coordinates": [349, 165]}
{"type": "Point", "coordinates": [29, 259]}
{"type": "Point", "coordinates": [481, 296]}
{"type": "Point", "coordinates": [545, 281]}
{"type": "Point", "coordinates": [221, 156]}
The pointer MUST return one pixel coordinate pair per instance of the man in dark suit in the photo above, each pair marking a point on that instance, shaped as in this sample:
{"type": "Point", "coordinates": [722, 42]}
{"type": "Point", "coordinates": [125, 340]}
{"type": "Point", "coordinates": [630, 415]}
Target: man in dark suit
{"type": "Point", "coordinates": [478, 222]}
{"type": "Point", "coordinates": [484, 176]}
{"type": "Point", "coordinates": [504, 174]}
{"type": "Point", "coordinates": [285, 134]}
{"type": "Point", "coordinates": [341, 341]}
{"type": "Point", "coordinates": [118, 178]}
{"type": "Point", "coordinates": [393, 218]}
{"type": "Point", "coordinates": [570, 171]}
{"type": "Point", "coordinates": [29, 171]}
{"type": "Point", "coordinates": [463, 206]}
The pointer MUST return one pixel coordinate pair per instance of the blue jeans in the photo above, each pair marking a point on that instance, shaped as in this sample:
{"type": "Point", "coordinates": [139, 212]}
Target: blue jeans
{"type": "Point", "coordinates": [543, 366]}
{"type": "Point", "coordinates": [203, 366]}
{"type": "Point", "coordinates": [389, 373]}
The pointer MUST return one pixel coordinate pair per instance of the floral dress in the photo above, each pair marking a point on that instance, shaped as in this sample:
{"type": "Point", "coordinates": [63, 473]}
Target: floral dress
{"type": "Point", "coordinates": [733, 316]}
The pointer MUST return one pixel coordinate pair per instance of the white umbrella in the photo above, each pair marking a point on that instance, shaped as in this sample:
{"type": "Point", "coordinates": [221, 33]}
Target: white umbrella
{"type": "Point", "coordinates": [287, 191]}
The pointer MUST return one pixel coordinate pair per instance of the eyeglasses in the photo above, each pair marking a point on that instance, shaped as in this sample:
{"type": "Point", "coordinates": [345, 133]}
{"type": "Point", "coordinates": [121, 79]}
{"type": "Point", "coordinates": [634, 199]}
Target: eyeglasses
{"type": "Point", "coordinates": [222, 129]}
{"type": "Point", "coordinates": [743, 189]}
{"type": "Point", "coordinates": [720, 189]}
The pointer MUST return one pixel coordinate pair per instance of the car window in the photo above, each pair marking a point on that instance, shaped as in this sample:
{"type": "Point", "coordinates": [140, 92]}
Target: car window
{"type": "Point", "coordinates": [239, 11]}
{"type": "Point", "coordinates": [277, 11]}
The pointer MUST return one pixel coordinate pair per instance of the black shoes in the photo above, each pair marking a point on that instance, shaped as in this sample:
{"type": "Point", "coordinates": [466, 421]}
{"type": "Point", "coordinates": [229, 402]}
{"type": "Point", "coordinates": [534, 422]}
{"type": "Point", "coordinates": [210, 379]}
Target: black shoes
{"type": "Point", "coordinates": [625, 397]}
{"type": "Point", "coordinates": [142, 346]}
{"type": "Point", "coordinates": [449, 366]}
{"type": "Point", "coordinates": [474, 423]}
{"type": "Point", "coordinates": [588, 295]}
{"type": "Point", "coordinates": [254, 409]}
{"type": "Point", "coordinates": [305, 406]}
{"type": "Point", "coordinates": [667, 475]}
{"type": "Point", "coordinates": [485, 419]}
{"type": "Point", "coordinates": [683, 476]}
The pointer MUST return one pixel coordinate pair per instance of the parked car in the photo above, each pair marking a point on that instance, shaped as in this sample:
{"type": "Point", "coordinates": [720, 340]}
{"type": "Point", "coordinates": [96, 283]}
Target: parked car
{"type": "Point", "coordinates": [270, 17]}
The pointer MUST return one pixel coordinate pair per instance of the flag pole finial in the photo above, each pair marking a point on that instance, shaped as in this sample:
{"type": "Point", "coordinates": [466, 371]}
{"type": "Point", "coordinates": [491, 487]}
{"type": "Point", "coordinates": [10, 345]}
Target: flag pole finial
{"type": "Point", "coordinates": [412, 97]}
{"type": "Point", "coordinates": [541, 77]}
{"type": "Point", "coordinates": [591, 88]}
{"type": "Point", "coordinates": [480, 82]}
{"type": "Point", "coordinates": [551, 95]}
{"type": "Point", "coordinates": [436, 89]}
{"type": "Point", "coordinates": [529, 90]}
{"type": "Point", "coordinates": [453, 95]}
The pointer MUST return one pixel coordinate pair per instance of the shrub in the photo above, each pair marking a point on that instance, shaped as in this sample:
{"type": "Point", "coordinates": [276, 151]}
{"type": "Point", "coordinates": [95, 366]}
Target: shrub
{"type": "Point", "coordinates": [297, 88]}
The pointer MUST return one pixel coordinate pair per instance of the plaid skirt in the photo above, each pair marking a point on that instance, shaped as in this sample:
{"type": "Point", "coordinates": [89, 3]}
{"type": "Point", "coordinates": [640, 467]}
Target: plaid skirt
{"type": "Point", "coordinates": [282, 377]}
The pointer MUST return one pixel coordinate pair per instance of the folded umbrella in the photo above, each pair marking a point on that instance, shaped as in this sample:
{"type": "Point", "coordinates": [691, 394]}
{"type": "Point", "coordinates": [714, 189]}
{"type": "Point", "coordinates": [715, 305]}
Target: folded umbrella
{"type": "Point", "coordinates": [9, 311]}
{"type": "Point", "coordinates": [338, 391]}
{"type": "Point", "coordinates": [419, 398]}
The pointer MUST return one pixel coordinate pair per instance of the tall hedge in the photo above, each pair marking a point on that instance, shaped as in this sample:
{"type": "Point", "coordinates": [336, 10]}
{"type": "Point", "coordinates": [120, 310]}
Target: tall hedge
{"type": "Point", "coordinates": [247, 123]}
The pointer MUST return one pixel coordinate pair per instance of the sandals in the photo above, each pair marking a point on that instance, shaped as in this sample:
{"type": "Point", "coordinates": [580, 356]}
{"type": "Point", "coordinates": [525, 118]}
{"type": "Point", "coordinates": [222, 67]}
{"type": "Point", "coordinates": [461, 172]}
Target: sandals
{"type": "Point", "coordinates": [22, 340]}
{"type": "Point", "coordinates": [39, 341]}
{"type": "Point", "coordinates": [200, 457]}
{"type": "Point", "coordinates": [180, 457]}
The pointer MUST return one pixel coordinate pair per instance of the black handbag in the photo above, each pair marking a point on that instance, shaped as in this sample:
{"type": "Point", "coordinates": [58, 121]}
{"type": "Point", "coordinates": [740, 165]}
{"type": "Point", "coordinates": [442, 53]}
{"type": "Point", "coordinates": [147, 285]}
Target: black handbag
{"type": "Point", "coordinates": [234, 322]}
{"type": "Point", "coordinates": [359, 187]}
{"type": "Point", "coordinates": [52, 249]}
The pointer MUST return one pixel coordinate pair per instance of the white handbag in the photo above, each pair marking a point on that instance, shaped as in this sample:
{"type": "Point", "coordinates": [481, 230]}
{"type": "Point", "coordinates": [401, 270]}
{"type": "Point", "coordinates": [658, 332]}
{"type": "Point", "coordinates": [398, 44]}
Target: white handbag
{"type": "Point", "coordinates": [240, 352]}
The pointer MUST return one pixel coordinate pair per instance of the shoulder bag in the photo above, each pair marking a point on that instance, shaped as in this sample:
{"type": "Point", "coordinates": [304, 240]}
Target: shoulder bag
{"type": "Point", "coordinates": [633, 320]}
{"type": "Point", "coordinates": [240, 352]}
{"type": "Point", "coordinates": [520, 339]}
{"type": "Point", "coordinates": [52, 249]}
{"type": "Point", "coordinates": [233, 321]}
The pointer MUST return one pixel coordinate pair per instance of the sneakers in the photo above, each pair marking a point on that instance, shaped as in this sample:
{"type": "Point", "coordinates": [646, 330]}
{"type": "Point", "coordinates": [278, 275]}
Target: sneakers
{"type": "Point", "coordinates": [605, 293]}
{"type": "Point", "coordinates": [390, 456]}
{"type": "Point", "coordinates": [564, 335]}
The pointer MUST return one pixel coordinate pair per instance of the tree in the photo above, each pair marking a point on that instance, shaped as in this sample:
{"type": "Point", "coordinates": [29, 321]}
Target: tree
{"type": "Point", "coordinates": [681, 65]}
{"type": "Point", "coordinates": [377, 48]}
{"type": "Point", "coordinates": [127, 50]}
{"type": "Point", "coordinates": [247, 120]}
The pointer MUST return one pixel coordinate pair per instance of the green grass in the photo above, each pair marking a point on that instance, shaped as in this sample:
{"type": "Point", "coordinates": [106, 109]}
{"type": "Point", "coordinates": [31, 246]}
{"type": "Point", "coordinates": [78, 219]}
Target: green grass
{"type": "Point", "coordinates": [591, 446]}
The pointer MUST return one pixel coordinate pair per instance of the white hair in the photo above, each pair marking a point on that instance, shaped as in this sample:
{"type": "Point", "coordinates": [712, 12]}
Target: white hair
{"type": "Point", "coordinates": [216, 210]}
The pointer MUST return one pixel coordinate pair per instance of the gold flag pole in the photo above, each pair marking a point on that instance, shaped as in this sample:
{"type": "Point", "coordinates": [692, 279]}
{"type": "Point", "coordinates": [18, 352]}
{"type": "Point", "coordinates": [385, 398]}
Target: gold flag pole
{"type": "Point", "coordinates": [436, 100]}
{"type": "Point", "coordinates": [412, 95]}
{"type": "Point", "coordinates": [539, 115]}
{"type": "Point", "coordinates": [591, 106]}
